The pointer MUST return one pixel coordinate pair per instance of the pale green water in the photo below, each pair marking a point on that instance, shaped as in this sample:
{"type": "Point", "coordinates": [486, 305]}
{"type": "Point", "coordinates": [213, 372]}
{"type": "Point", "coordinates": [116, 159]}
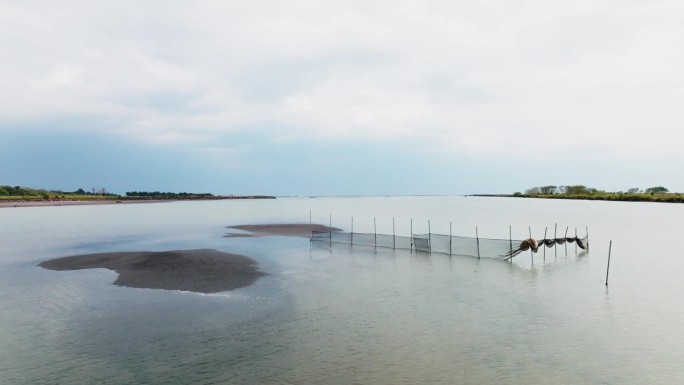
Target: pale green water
{"type": "Point", "coordinates": [348, 314]}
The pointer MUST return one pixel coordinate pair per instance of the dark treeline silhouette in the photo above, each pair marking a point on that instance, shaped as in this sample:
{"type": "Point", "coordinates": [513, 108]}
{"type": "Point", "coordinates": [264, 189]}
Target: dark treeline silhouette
{"type": "Point", "coordinates": [167, 194]}
{"type": "Point", "coordinates": [16, 191]}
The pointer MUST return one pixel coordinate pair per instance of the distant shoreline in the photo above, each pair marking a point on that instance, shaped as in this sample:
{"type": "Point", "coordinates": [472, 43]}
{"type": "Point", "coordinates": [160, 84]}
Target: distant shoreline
{"type": "Point", "coordinates": [120, 200]}
{"type": "Point", "coordinates": [612, 197]}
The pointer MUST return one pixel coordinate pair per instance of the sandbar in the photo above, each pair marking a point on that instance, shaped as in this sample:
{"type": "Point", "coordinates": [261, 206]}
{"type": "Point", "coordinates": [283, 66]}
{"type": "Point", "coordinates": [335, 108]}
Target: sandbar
{"type": "Point", "coordinates": [200, 271]}
{"type": "Point", "coordinates": [286, 229]}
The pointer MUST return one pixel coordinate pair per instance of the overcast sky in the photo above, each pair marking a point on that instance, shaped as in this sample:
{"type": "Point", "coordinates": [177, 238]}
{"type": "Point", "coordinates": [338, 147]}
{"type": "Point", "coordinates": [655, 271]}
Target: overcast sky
{"type": "Point", "coordinates": [341, 97]}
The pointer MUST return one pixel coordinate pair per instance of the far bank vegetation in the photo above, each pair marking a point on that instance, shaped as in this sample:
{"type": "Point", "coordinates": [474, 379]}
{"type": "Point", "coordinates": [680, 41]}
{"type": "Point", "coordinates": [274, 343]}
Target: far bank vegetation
{"type": "Point", "coordinates": [651, 194]}
{"type": "Point", "coordinates": [18, 193]}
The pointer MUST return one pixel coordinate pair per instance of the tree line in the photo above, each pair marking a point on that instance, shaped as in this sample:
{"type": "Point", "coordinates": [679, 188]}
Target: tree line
{"type": "Point", "coordinates": [18, 191]}
{"type": "Point", "coordinates": [167, 194]}
{"type": "Point", "coordinates": [584, 190]}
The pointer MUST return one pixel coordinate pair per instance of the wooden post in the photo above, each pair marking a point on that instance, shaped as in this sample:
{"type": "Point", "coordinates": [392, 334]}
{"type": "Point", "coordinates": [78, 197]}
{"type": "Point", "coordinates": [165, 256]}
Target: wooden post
{"type": "Point", "coordinates": [412, 235]}
{"type": "Point", "coordinates": [394, 236]}
{"type": "Point", "coordinates": [529, 228]}
{"type": "Point", "coordinates": [429, 238]}
{"type": "Point", "coordinates": [477, 237]}
{"type": "Point", "coordinates": [610, 246]}
{"type": "Point", "coordinates": [375, 232]}
{"type": "Point", "coordinates": [587, 238]}
{"type": "Point", "coordinates": [544, 244]}
{"type": "Point", "coordinates": [510, 239]}
{"type": "Point", "coordinates": [555, 236]}
{"type": "Point", "coordinates": [449, 237]}
{"type": "Point", "coordinates": [310, 226]}
{"type": "Point", "coordinates": [566, 240]}
{"type": "Point", "coordinates": [575, 240]}
{"type": "Point", "coordinates": [330, 229]}
{"type": "Point", "coordinates": [352, 233]}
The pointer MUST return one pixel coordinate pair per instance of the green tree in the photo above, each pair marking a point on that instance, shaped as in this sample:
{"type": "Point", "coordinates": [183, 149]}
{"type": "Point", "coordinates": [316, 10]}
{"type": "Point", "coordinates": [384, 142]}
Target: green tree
{"type": "Point", "coordinates": [576, 190]}
{"type": "Point", "coordinates": [657, 190]}
{"type": "Point", "coordinates": [547, 190]}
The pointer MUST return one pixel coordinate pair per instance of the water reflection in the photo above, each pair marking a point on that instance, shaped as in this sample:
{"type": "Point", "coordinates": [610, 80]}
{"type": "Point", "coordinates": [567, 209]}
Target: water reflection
{"type": "Point", "coordinates": [344, 314]}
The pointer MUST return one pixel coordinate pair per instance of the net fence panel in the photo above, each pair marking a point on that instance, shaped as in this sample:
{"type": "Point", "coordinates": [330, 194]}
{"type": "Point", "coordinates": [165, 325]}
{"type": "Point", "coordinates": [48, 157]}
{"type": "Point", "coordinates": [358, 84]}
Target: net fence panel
{"type": "Point", "coordinates": [497, 248]}
{"type": "Point", "coordinates": [320, 236]}
{"type": "Point", "coordinates": [438, 243]}
{"type": "Point", "coordinates": [364, 239]}
{"type": "Point", "coordinates": [403, 243]}
{"type": "Point", "coordinates": [421, 242]}
{"type": "Point", "coordinates": [386, 241]}
{"type": "Point", "coordinates": [464, 246]}
{"type": "Point", "coordinates": [339, 237]}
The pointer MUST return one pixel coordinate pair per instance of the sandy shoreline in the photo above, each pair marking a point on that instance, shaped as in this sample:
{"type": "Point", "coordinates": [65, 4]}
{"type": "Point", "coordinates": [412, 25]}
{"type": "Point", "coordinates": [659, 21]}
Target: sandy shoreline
{"type": "Point", "coordinates": [122, 200]}
{"type": "Point", "coordinates": [286, 229]}
{"type": "Point", "coordinates": [200, 271]}
{"type": "Point", "coordinates": [74, 203]}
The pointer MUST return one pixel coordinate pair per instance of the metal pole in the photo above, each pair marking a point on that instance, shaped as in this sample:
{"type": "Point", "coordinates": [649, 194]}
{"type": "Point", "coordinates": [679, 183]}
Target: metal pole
{"type": "Point", "coordinates": [477, 236]}
{"type": "Point", "coordinates": [610, 246]}
{"type": "Point", "coordinates": [310, 226]}
{"type": "Point", "coordinates": [510, 238]}
{"type": "Point", "coordinates": [330, 228]}
{"type": "Point", "coordinates": [566, 241]}
{"type": "Point", "coordinates": [394, 236]}
{"type": "Point", "coordinates": [575, 240]}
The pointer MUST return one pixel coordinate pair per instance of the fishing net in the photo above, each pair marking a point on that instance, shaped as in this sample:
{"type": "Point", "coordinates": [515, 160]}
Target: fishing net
{"type": "Point", "coordinates": [445, 244]}
{"type": "Point", "coordinates": [527, 244]}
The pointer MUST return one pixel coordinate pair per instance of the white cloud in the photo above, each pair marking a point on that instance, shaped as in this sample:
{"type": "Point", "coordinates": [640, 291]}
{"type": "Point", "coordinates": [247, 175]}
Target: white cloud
{"type": "Point", "coordinates": [523, 78]}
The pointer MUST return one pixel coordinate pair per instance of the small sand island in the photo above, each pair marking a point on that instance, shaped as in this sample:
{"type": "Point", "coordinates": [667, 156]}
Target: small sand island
{"type": "Point", "coordinates": [286, 229]}
{"type": "Point", "coordinates": [200, 271]}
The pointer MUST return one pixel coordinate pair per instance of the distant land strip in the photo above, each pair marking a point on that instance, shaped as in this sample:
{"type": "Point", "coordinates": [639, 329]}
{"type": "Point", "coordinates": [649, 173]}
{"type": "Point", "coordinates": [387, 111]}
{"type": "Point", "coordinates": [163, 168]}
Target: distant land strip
{"type": "Point", "coordinates": [659, 198]}
{"type": "Point", "coordinates": [658, 194]}
{"type": "Point", "coordinates": [22, 197]}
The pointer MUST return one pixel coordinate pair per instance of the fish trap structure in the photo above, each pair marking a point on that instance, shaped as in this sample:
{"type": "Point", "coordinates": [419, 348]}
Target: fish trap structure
{"type": "Point", "coordinates": [447, 244]}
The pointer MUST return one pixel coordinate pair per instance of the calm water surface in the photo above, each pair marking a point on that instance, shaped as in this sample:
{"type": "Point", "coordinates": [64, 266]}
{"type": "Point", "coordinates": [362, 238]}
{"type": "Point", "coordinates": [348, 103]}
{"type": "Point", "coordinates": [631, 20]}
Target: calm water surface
{"type": "Point", "coordinates": [342, 314]}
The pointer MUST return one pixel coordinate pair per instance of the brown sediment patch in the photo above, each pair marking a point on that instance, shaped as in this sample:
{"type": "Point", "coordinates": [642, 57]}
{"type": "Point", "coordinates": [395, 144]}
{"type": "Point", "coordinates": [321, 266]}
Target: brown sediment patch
{"type": "Point", "coordinates": [200, 271]}
{"type": "Point", "coordinates": [287, 229]}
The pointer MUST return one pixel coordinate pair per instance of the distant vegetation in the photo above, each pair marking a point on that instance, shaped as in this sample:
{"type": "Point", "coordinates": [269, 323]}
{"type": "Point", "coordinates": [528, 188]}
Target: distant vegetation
{"type": "Point", "coordinates": [17, 193]}
{"type": "Point", "coordinates": [167, 195]}
{"type": "Point", "coordinates": [651, 194]}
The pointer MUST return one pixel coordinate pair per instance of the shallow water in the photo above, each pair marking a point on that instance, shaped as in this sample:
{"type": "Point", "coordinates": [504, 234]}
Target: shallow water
{"type": "Point", "coordinates": [343, 314]}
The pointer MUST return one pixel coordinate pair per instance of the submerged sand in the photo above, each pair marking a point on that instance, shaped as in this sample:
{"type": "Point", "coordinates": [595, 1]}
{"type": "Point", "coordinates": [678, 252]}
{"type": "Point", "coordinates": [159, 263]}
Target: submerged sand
{"type": "Point", "coordinates": [201, 271]}
{"type": "Point", "coordinates": [287, 229]}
